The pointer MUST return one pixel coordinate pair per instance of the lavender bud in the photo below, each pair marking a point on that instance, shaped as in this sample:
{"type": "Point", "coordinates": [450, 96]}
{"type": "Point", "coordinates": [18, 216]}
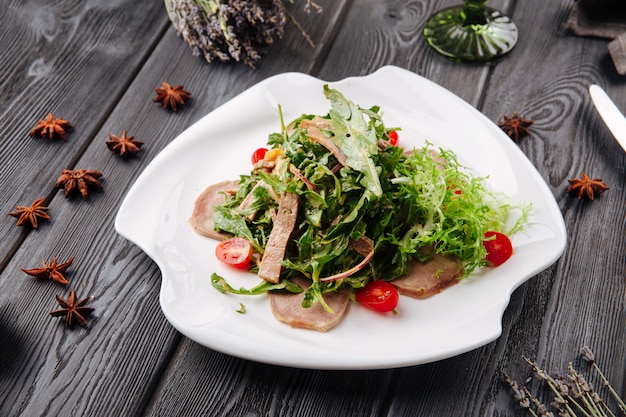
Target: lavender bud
{"type": "Point", "coordinates": [518, 394]}
{"type": "Point", "coordinates": [587, 354]}
{"type": "Point", "coordinates": [241, 30]}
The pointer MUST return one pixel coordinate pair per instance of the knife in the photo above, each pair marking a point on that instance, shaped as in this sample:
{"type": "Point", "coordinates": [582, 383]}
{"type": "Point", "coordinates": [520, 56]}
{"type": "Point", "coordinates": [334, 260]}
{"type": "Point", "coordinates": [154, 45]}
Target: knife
{"type": "Point", "coordinates": [612, 116]}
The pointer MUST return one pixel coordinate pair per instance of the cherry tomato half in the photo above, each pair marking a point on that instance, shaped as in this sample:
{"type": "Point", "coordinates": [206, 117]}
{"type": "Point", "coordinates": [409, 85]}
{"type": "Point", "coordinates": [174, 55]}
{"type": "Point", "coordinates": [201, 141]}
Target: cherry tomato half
{"type": "Point", "coordinates": [499, 248]}
{"type": "Point", "coordinates": [258, 155]}
{"type": "Point", "coordinates": [378, 295]}
{"type": "Point", "coordinates": [236, 252]}
{"type": "Point", "coordinates": [454, 187]}
{"type": "Point", "coordinates": [393, 137]}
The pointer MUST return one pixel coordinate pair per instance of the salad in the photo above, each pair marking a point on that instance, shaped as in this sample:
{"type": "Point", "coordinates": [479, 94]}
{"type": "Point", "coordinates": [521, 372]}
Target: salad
{"type": "Point", "coordinates": [334, 207]}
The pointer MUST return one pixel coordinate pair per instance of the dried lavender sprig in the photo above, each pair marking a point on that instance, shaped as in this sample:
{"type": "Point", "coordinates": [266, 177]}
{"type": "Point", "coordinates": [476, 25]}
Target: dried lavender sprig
{"type": "Point", "coordinates": [300, 28]}
{"type": "Point", "coordinates": [569, 388]}
{"type": "Point", "coordinates": [240, 30]}
{"type": "Point", "coordinates": [310, 4]}
{"type": "Point", "coordinates": [520, 395]}
{"type": "Point", "coordinates": [587, 394]}
{"type": "Point", "coordinates": [541, 408]}
{"type": "Point", "coordinates": [561, 397]}
{"type": "Point", "coordinates": [588, 355]}
{"type": "Point", "coordinates": [562, 412]}
{"type": "Point", "coordinates": [200, 31]}
{"type": "Point", "coordinates": [563, 385]}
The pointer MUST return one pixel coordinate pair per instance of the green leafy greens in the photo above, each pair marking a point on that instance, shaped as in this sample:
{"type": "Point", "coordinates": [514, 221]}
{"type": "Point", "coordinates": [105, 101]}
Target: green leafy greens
{"type": "Point", "coordinates": [355, 138]}
{"type": "Point", "coordinates": [408, 203]}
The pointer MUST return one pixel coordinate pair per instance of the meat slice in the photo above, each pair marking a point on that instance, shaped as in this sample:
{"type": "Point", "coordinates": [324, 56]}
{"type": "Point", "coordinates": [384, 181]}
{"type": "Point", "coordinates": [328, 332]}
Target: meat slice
{"type": "Point", "coordinates": [287, 307]}
{"type": "Point", "coordinates": [247, 201]}
{"type": "Point", "coordinates": [202, 217]}
{"type": "Point", "coordinates": [425, 279]}
{"type": "Point", "coordinates": [316, 135]}
{"type": "Point", "coordinates": [317, 121]}
{"type": "Point", "coordinates": [364, 247]}
{"type": "Point", "coordinates": [270, 266]}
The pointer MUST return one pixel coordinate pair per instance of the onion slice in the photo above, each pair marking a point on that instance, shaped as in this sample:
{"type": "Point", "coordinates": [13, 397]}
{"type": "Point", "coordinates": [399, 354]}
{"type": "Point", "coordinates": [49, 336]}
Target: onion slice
{"type": "Point", "coordinates": [365, 247]}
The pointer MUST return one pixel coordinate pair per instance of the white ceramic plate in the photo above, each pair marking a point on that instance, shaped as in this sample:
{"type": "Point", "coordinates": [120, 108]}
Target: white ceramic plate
{"type": "Point", "coordinates": [155, 214]}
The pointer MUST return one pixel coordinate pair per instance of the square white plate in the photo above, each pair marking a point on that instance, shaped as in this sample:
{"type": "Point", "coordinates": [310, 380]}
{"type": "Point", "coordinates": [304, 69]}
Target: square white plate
{"type": "Point", "coordinates": [155, 213]}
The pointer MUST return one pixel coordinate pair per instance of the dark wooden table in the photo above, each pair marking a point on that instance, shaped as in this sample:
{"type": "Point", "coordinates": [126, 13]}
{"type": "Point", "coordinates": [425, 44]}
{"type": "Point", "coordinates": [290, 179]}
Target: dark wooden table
{"type": "Point", "coordinates": [97, 63]}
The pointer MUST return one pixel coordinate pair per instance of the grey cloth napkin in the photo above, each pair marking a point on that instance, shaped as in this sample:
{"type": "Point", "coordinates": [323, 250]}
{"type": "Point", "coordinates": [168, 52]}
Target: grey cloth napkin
{"type": "Point", "coordinates": [602, 19]}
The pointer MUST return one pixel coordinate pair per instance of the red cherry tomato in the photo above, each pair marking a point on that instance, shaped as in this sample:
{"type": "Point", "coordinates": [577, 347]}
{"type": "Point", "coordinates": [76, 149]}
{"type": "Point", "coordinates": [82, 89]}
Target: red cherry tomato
{"type": "Point", "coordinates": [378, 295]}
{"type": "Point", "coordinates": [236, 252]}
{"type": "Point", "coordinates": [452, 186]}
{"type": "Point", "coordinates": [258, 155]}
{"type": "Point", "coordinates": [456, 190]}
{"type": "Point", "coordinates": [393, 137]}
{"type": "Point", "coordinates": [499, 248]}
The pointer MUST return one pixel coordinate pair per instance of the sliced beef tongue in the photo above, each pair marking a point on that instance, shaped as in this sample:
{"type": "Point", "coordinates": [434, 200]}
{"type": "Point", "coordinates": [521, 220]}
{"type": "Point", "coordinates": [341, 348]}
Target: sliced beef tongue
{"type": "Point", "coordinates": [287, 307]}
{"type": "Point", "coordinates": [314, 129]}
{"type": "Point", "coordinates": [249, 199]}
{"type": "Point", "coordinates": [285, 221]}
{"type": "Point", "coordinates": [202, 217]}
{"type": "Point", "coordinates": [425, 279]}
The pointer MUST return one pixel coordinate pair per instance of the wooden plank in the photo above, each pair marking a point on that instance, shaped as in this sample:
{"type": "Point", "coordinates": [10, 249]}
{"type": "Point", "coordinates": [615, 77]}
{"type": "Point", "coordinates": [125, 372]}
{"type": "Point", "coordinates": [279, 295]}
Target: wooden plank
{"type": "Point", "coordinates": [219, 385]}
{"type": "Point", "coordinates": [580, 300]}
{"type": "Point", "coordinates": [74, 60]}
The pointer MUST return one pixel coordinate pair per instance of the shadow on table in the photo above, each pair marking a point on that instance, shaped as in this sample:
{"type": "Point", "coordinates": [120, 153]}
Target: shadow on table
{"type": "Point", "coordinates": [12, 345]}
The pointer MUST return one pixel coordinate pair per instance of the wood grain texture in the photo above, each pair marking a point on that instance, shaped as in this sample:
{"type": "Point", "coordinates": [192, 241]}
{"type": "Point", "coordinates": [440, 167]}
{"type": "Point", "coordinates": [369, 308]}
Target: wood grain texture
{"type": "Point", "coordinates": [97, 64]}
{"type": "Point", "coordinates": [546, 79]}
{"type": "Point", "coordinates": [392, 34]}
{"type": "Point", "coordinates": [74, 59]}
{"type": "Point", "coordinates": [589, 279]}
{"type": "Point", "coordinates": [254, 389]}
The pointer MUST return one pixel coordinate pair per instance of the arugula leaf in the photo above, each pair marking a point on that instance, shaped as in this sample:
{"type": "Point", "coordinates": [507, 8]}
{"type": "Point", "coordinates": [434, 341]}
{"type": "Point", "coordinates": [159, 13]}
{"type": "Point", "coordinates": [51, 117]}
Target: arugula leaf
{"type": "Point", "coordinates": [355, 138]}
{"type": "Point", "coordinates": [228, 221]}
{"type": "Point", "coordinates": [314, 294]}
{"type": "Point", "coordinates": [220, 284]}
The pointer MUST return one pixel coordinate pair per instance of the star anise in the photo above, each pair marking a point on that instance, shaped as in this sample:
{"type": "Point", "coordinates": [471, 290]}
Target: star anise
{"type": "Point", "coordinates": [79, 179]}
{"type": "Point", "coordinates": [516, 127]}
{"type": "Point", "coordinates": [123, 145]}
{"type": "Point", "coordinates": [585, 186]}
{"type": "Point", "coordinates": [51, 127]}
{"type": "Point", "coordinates": [170, 96]}
{"type": "Point", "coordinates": [31, 214]}
{"type": "Point", "coordinates": [53, 271]}
{"type": "Point", "coordinates": [72, 309]}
